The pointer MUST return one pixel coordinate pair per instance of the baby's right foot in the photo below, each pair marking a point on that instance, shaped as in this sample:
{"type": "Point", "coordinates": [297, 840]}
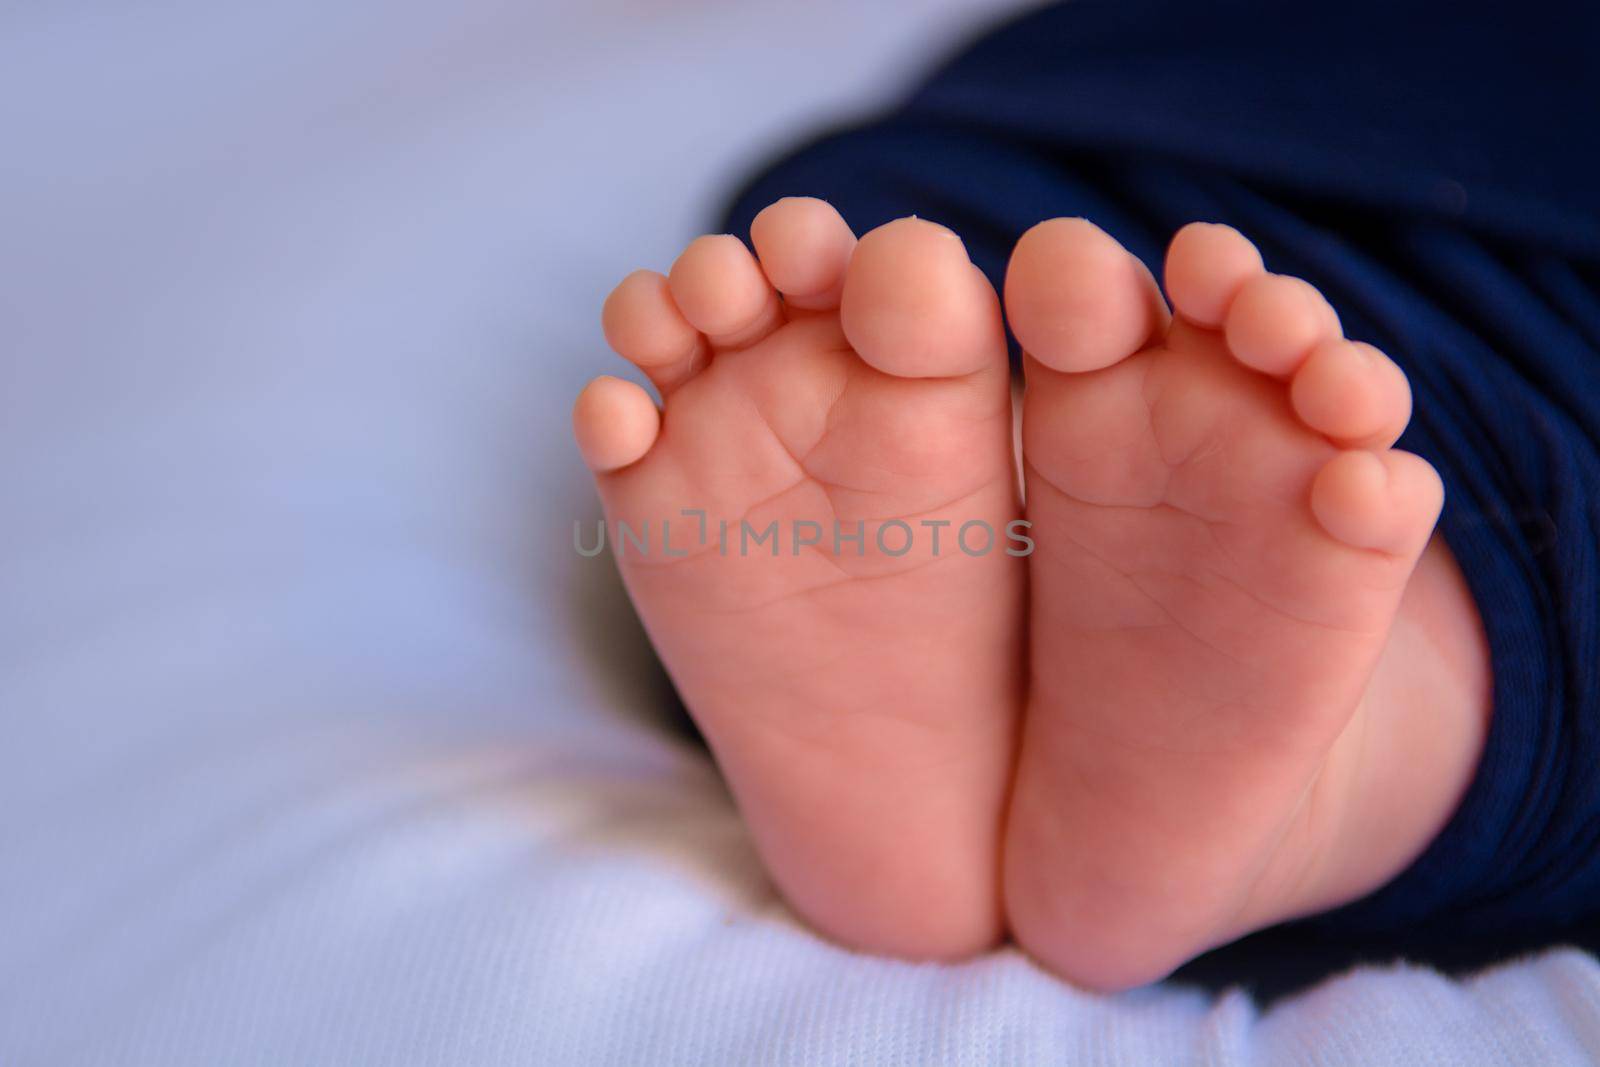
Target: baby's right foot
{"type": "Point", "coordinates": [1225, 538]}
{"type": "Point", "coordinates": [861, 699]}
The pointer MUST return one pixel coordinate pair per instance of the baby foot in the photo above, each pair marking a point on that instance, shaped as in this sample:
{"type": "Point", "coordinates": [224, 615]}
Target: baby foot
{"type": "Point", "coordinates": [1224, 535]}
{"type": "Point", "coordinates": [859, 683]}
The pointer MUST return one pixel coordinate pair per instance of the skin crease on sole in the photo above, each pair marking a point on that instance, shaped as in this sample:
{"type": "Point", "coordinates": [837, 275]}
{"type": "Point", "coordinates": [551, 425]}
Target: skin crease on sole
{"type": "Point", "coordinates": [1258, 687]}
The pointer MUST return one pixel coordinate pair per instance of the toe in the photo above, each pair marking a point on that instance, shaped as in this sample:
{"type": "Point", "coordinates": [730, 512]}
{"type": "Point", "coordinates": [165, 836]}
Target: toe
{"type": "Point", "coordinates": [1207, 265]}
{"type": "Point", "coordinates": [1274, 321]}
{"type": "Point", "coordinates": [721, 291]}
{"type": "Point", "coordinates": [914, 305]}
{"type": "Point", "coordinates": [1353, 393]}
{"type": "Point", "coordinates": [615, 423]}
{"type": "Point", "coordinates": [1077, 300]}
{"type": "Point", "coordinates": [1387, 501]}
{"type": "Point", "coordinates": [804, 246]}
{"type": "Point", "coordinates": [643, 325]}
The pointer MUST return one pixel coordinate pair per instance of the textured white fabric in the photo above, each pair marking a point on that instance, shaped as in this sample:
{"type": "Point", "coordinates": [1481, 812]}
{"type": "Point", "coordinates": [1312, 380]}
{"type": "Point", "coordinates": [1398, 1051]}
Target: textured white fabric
{"type": "Point", "coordinates": [318, 744]}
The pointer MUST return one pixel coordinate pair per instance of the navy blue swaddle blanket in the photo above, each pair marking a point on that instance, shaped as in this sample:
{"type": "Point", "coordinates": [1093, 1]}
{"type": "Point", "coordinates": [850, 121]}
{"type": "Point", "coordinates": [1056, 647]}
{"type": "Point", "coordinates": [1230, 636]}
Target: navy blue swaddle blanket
{"type": "Point", "coordinates": [1434, 170]}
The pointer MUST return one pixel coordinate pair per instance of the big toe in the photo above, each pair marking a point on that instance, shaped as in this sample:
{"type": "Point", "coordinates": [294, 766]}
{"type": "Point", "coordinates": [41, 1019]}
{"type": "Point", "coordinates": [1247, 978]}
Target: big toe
{"type": "Point", "coordinates": [914, 305]}
{"type": "Point", "coordinates": [1077, 300]}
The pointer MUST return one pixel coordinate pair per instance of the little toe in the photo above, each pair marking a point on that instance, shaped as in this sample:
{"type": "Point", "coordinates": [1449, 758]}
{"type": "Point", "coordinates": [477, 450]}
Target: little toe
{"type": "Point", "coordinates": [615, 423]}
{"type": "Point", "coordinates": [1207, 265]}
{"type": "Point", "coordinates": [914, 306]}
{"type": "Point", "coordinates": [1274, 321]}
{"type": "Point", "coordinates": [1386, 501]}
{"type": "Point", "coordinates": [1352, 393]}
{"type": "Point", "coordinates": [722, 292]}
{"type": "Point", "coordinates": [1077, 300]}
{"type": "Point", "coordinates": [804, 247]}
{"type": "Point", "coordinates": [644, 326]}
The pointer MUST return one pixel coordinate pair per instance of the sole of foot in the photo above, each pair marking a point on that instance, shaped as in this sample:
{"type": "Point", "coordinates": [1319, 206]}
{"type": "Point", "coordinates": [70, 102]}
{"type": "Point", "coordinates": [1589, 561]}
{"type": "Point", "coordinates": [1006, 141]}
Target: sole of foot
{"type": "Point", "coordinates": [1225, 540]}
{"type": "Point", "coordinates": [858, 676]}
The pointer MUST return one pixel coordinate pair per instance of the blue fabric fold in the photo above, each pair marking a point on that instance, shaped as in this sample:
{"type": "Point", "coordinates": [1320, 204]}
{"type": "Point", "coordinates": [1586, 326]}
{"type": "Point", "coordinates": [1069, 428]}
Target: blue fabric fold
{"type": "Point", "coordinates": [1434, 169]}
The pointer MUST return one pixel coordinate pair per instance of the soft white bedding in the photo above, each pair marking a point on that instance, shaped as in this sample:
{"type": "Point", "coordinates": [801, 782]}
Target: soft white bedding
{"type": "Point", "coordinates": [318, 744]}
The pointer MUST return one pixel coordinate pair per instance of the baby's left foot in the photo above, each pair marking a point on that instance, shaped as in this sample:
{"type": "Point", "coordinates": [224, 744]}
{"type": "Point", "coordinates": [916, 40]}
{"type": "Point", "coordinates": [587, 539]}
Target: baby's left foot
{"type": "Point", "coordinates": [1225, 541]}
{"type": "Point", "coordinates": [831, 408]}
